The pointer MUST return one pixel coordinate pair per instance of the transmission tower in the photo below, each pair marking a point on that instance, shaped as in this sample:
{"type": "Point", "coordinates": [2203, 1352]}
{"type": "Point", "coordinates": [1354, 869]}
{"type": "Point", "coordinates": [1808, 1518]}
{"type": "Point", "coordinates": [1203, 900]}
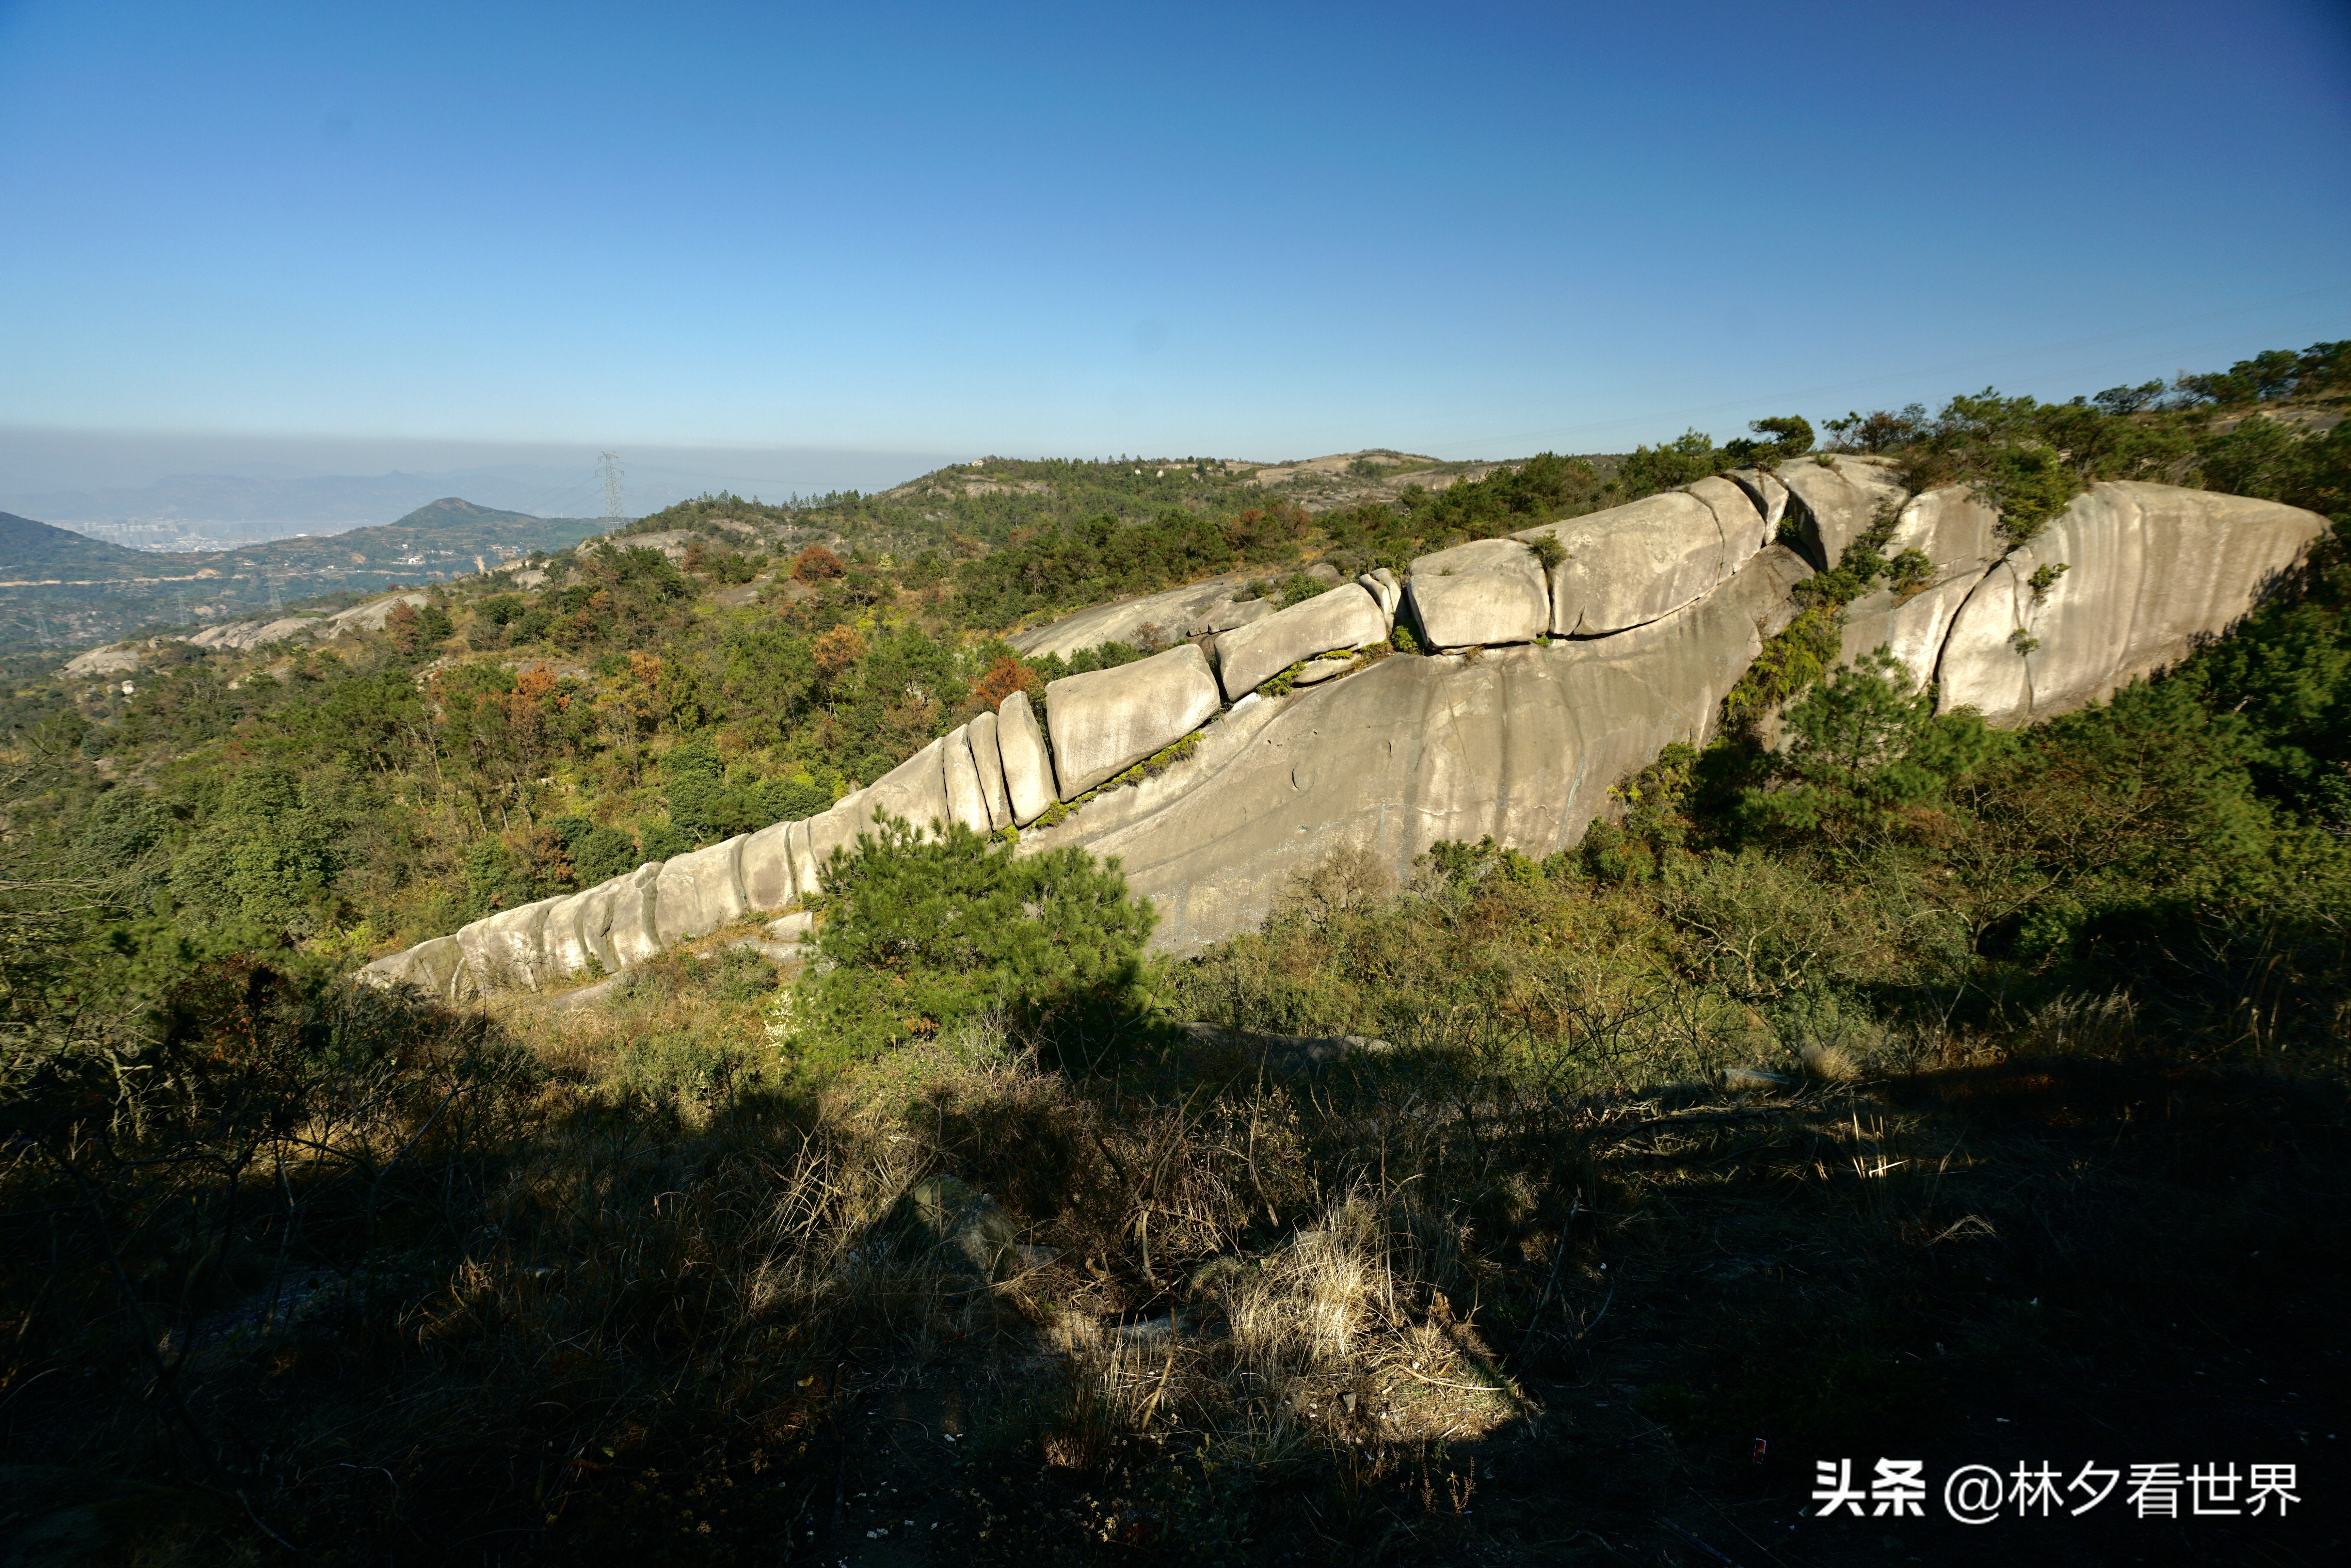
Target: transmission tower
{"type": "Point", "coordinates": [611, 470]}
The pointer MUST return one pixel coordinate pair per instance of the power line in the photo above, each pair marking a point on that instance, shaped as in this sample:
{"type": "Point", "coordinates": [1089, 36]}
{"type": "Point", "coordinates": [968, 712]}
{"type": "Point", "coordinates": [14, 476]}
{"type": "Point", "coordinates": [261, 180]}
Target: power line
{"type": "Point", "coordinates": [610, 471]}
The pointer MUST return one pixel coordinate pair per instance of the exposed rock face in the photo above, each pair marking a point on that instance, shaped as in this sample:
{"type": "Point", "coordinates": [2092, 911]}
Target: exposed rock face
{"type": "Point", "coordinates": [1178, 612]}
{"type": "Point", "coordinates": [1390, 754]}
{"type": "Point", "coordinates": [2153, 572]}
{"type": "Point", "coordinates": [701, 892]}
{"type": "Point", "coordinates": [1346, 617]}
{"type": "Point", "coordinates": [574, 932]}
{"type": "Point", "coordinates": [769, 881]}
{"type": "Point", "coordinates": [988, 759]}
{"type": "Point", "coordinates": [633, 931]}
{"type": "Point", "coordinates": [1482, 594]}
{"type": "Point", "coordinates": [1522, 743]}
{"type": "Point", "coordinates": [1961, 539]}
{"type": "Point", "coordinates": [100, 662]}
{"type": "Point", "coordinates": [960, 775]}
{"type": "Point", "coordinates": [1630, 565]}
{"type": "Point", "coordinates": [1764, 490]}
{"type": "Point", "coordinates": [1106, 721]}
{"type": "Point", "coordinates": [505, 951]}
{"type": "Point", "coordinates": [915, 789]}
{"type": "Point", "coordinates": [1382, 585]}
{"type": "Point", "coordinates": [436, 967]}
{"type": "Point", "coordinates": [1028, 767]}
{"type": "Point", "coordinates": [1835, 503]}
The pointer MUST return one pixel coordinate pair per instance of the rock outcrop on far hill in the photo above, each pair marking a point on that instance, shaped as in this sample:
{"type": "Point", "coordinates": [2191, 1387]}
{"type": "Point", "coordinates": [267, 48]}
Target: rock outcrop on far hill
{"type": "Point", "coordinates": [1552, 682]}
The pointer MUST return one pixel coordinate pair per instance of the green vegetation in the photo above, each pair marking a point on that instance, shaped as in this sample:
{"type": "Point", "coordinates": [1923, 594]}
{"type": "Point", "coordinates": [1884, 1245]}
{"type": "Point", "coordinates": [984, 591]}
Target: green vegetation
{"type": "Point", "coordinates": [1844, 1096]}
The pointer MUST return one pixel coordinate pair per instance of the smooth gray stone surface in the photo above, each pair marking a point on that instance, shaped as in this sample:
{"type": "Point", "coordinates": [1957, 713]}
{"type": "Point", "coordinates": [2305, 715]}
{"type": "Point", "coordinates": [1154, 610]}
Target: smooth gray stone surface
{"type": "Point", "coordinates": [1633, 564]}
{"type": "Point", "coordinates": [1744, 531]}
{"type": "Point", "coordinates": [436, 967]}
{"type": "Point", "coordinates": [766, 868]}
{"type": "Point", "coordinates": [1959, 536]}
{"type": "Point", "coordinates": [1763, 488]}
{"type": "Point", "coordinates": [838, 827]}
{"type": "Point", "coordinates": [633, 931]}
{"type": "Point", "coordinates": [575, 931]}
{"type": "Point", "coordinates": [1482, 594]}
{"type": "Point", "coordinates": [1346, 617]}
{"type": "Point", "coordinates": [1836, 502]}
{"type": "Point", "coordinates": [1106, 721]}
{"type": "Point", "coordinates": [699, 892]}
{"type": "Point", "coordinates": [2155, 573]}
{"type": "Point", "coordinates": [1522, 743]}
{"type": "Point", "coordinates": [805, 870]}
{"type": "Point", "coordinates": [989, 758]}
{"type": "Point", "coordinates": [960, 774]}
{"type": "Point", "coordinates": [505, 950]}
{"type": "Point", "coordinates": [915, 789]}
{"type": "Point", "coordinates": [1028, 766]}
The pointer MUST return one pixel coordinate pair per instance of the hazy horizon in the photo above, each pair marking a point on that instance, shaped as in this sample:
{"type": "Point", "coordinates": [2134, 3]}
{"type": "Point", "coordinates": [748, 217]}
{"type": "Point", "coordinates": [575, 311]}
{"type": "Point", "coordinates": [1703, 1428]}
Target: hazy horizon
{"type": "Point", "coordinates": [1262, 232]}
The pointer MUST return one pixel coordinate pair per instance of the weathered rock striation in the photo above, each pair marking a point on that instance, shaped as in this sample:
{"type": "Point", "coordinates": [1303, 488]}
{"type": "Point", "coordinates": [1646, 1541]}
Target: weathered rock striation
{"type": "Point", "coordinates": [1553, 684]}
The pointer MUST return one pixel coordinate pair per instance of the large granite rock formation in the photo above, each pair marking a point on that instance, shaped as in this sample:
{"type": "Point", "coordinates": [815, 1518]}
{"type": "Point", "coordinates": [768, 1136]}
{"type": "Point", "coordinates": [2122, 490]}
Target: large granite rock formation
{"type": "Point", "coordinates": [2151, 573]}
{"type": "Point", "coordinates": [1522, 743]}
{"type": "Point", "coordinates": [1658, 606]}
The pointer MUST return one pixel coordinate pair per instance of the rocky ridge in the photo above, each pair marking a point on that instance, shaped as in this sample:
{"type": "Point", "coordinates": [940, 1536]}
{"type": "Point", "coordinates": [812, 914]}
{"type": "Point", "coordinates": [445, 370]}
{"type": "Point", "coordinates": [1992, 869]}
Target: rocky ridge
{"type": "Point", "coordinates": [1550, 683]}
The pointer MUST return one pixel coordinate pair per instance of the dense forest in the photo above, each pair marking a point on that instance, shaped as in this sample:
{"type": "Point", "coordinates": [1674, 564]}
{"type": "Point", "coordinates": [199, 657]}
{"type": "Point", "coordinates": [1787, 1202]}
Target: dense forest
{"type": "Point", "coordinates": [1846, 1089]}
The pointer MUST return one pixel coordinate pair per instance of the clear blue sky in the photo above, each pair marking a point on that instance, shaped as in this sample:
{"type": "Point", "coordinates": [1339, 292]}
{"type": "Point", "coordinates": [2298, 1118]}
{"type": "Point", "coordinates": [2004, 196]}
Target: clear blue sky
{"type": "Point", "coordinates": [1253, 230]}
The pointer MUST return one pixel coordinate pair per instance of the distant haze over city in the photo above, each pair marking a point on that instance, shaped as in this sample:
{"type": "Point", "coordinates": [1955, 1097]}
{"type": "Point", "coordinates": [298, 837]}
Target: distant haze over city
{"type": "Point", "coordinates": [197, 492]}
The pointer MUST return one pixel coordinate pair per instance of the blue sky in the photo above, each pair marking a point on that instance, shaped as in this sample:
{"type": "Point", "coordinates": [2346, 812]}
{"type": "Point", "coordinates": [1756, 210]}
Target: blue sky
{"type": "Point", "coordinates": [1258, 230]}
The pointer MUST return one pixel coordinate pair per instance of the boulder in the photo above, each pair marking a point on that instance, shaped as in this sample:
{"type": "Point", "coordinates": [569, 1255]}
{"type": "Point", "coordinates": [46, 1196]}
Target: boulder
{"type": "Point", "coordinates": [1838, 501]}
{"type": "Point", "coordinates": [803, 858]}
{"type": "Point", "coordinates": [1490, 591]}
{"type": "Point", "coordinates": [1764, 487]}
{"type": "Point", "coordinates": [701, 892]}
{"type": "Point", "coordinates": [505, 951]}
{"type": "Point", "coordinates": [100, 662]}
{"type": "Point", "coordinates": [1960, 537]}
{"type": "Point", "coordinates": [1323, 572]}
{"type": "Point", "coordinates": [576, 930]}
{"type": "Point", "coordinates": [436, 968]}
{"type": "Point", "coordinates": [1346, 617]}
{"type": "Point", "coordinates": [1744, 531]}
{"type": "Point", "coordinates": [1634, 564]}
{"type": "Point", "coordinates": [371, 617]}
{"type": "Point", "coordinates": [915, 789]}
{"type": "Point", "coordinates": [1028, 765]}
{"type": "Point", "coordinates": [633, 931]}
{"type": "Point", "coordinates": [1523, 743]}
{"type": "Point", "coordinates": [2153, 572]}
{"type": "Point", "coordinates": [1106, 721]}
{"type": "Point", "coordinates": [1384, 590]}
{"type": "Point", "coordinates": [989, 758]}
{"type": "Point", "coordinates": [960, 777]}
{"type": "Point", "coordinates": [769, 881]}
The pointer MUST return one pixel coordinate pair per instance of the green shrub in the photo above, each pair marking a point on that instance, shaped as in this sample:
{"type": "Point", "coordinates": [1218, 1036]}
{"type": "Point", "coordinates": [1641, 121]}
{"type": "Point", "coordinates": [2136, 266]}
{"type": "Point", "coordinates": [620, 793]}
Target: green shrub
{"type": "Point", "coordinates": [920, 934]}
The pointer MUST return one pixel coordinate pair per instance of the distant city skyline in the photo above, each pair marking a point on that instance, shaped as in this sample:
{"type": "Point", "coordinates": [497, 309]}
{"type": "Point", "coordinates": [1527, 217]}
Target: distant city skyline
{"type": "Point", "coordinates": [883, 240]}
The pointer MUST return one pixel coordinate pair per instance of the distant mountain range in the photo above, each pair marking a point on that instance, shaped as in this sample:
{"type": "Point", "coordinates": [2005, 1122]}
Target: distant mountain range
{"type": "Point", "coordinates": [59, 588]}
{"type": "Point", "coordinates": [198, 511]}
